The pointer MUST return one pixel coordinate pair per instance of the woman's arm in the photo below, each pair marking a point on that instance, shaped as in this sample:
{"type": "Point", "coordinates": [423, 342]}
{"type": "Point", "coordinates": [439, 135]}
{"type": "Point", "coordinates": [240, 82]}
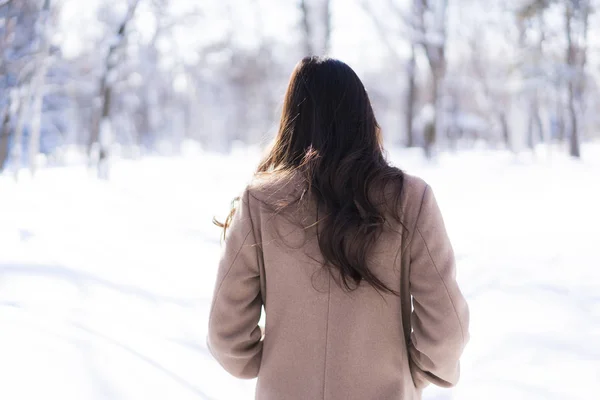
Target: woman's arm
{"type": "Point", "coordinates": [440, 316]}
{"type": "Point", "coordinates": [234, 337]}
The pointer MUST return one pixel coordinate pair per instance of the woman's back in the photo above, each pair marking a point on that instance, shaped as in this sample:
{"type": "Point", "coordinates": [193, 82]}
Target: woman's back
{"type": "Point", "coordinates": [321, 340]}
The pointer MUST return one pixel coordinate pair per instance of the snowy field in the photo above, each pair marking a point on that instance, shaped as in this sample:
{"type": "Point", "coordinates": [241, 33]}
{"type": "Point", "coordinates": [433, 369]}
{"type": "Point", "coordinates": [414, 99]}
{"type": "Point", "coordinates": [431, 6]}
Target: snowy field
{"type": "Point", "coordinates": [105, 286]}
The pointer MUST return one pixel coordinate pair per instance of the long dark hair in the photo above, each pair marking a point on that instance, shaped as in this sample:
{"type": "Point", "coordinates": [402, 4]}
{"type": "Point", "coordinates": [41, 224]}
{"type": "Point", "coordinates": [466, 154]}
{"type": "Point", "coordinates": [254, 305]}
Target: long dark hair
{"type": "Point", "coordinates": [329, 134]}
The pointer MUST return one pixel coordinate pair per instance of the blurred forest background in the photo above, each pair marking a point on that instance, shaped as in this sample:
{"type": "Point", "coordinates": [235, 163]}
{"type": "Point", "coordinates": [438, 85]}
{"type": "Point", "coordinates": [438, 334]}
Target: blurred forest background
{"type": "Point", "coordinates": [105, 285]}
{"type": "Point", "coordinates": [89, 80]}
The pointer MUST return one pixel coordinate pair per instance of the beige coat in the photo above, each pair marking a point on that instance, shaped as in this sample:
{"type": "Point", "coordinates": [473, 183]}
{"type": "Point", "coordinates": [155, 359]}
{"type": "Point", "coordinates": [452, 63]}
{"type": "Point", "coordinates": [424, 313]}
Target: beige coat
{"type": "Point", "coordinates": [323, 342]}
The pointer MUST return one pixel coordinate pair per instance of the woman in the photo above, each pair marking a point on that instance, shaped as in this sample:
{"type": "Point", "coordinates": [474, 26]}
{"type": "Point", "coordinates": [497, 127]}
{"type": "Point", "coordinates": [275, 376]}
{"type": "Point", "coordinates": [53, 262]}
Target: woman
{"type": "Point", "coordinates": [330, 239]}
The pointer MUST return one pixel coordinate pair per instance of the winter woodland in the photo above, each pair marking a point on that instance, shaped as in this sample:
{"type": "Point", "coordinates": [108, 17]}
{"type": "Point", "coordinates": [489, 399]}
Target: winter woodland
{"type": "Point", "coordinates": [127, 125]}
{"type": "Point", "coordinates": [143, 76]}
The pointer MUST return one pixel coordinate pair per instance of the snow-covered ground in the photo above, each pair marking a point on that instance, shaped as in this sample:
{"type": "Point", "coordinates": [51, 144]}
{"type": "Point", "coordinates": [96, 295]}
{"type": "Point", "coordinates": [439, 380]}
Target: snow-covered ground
{"type": "Point", "coordinates": [105, 286]}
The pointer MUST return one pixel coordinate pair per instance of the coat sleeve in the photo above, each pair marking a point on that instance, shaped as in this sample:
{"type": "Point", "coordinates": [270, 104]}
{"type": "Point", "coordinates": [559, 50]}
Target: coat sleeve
{"type": "Point", "coordinates": [440, 314]}
{"type": "Point", "coordinates": [234, 337]}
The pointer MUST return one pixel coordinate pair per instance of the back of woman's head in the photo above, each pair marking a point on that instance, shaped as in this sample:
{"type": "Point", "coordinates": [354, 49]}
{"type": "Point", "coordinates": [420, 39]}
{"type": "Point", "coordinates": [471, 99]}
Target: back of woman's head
{"type": "Point", "coordinates": [328, 133]}
{"type": "Point", "coordinates": [327, 115]}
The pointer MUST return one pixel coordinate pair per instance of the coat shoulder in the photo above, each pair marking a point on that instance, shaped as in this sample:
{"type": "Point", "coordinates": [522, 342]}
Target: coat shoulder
{"type": "Point", "coordinates": [274, 188]}
{"type": "Point", "coordinates": [413, 188]}
{"type": "Point", "coordinates": [413, 193]}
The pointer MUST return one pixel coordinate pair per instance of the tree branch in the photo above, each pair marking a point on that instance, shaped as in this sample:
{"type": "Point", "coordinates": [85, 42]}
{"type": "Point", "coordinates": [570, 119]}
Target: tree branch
{"type": "Point", "coordinates": [383, 34]}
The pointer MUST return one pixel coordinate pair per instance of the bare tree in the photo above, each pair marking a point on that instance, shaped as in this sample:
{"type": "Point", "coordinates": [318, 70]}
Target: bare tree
{"type": "Point", "coordinates": [576, 12]}
{"type": "Point", "coordinates": [430, 24]}
{"type": "Point", "coordinates": [4, 135]}
{"type": "Point", "coordinates": [38, 84]}
{"type": "Point", "coordinates": [101, 121]}
{"type": "Point", "coordinates": [531, 22]}
{"type": "Point", "coordinates": [5, 100]}
{"type": "Point", "coordinates": [411, 95]}
{"type": "Point", "coordinates": [24, 98]}
{"type": "Point", "coordinates": [496, 95]}
{"type": "Point", "coordinates": [576, 26]}
{"type": "Point", "coordinates": [316, 24]}
{"type": "Point", "coordinates": [19, 45]}
{"type": "Point", "coordinates": [410, 65]}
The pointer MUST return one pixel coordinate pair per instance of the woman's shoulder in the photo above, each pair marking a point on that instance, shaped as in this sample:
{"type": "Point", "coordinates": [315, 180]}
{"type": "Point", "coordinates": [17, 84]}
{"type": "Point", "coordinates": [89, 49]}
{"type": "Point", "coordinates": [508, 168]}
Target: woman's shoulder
{"type": "Point", "coordinates": [404, 201]}
{"type": "Point", "coordinates": [413, 187]}
{"type": "Point", "coordinates": [276, 187]}
{"type": "Point", "coordinates": [409, 188]}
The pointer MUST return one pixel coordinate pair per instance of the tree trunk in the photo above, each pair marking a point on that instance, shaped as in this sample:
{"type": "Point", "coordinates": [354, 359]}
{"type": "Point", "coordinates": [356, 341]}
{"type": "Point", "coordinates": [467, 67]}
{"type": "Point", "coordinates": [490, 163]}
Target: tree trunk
{"type": "Point", "coordinates": [575, 73]}
{"type": "Point", "coordinates": [578, 86]}
{"type": "Point", "coordinates": [36, 115]}
{"type": "Point", "coordinates": [103, 131]}
{"type": "Point", "coordinates": [574, 148]}
{"type": "Point", "coordinates": [505, 130]}
{"type": "Point", "coordinates": [17, 145]}
{"type": "Point", "coordinates": [411, 68]}
{"type": "Point", "coordinates": [144, 122]}
{"type": "Point", "coordinates": [4, 137]}
{"type": "Point", "coordinates": [539, 124]}
{"type": "Point", "coordinates": [432, 134]}
{"type": "Point", "coordinates": [101, 119]}
{"type": "Point", "coordinates": [436, 56]}
{"type": "Point", "coordinates": [39, 84]}
{"type": "Point", "coordinates": [103, 106]}
{"type": "Point", "coordinates": [537, 119]}
{"type": "Point", "coordinates": [410, 99]}
{"type": "Point", "coordinates": [5, 113]}
{"type": "Point", "coordinates": [530, 136]}
{"type": "Point", "coordinates": [326, 10]}
{"type": "Point", "coordinates": [316, 24]}
{"type": "Point", "coordinates": [560, 121]}
{"type": "Point", "coordinates": [535, 128]}
{"type": "Point", "coordinates": [187, 119]}
{"type": "Point", "coordinates": [306, 25]}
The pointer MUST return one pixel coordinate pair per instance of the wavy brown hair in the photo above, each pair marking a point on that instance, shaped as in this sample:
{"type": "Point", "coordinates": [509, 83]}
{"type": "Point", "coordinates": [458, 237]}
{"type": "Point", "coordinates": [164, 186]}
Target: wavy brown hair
{"type": "Point", "coordinates": [329, 134]}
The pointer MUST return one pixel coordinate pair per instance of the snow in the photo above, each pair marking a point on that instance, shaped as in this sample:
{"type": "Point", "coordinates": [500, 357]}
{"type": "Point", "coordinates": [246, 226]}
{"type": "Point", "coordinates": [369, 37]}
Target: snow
{"type": "Point", "coordinates": [105, 285]}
